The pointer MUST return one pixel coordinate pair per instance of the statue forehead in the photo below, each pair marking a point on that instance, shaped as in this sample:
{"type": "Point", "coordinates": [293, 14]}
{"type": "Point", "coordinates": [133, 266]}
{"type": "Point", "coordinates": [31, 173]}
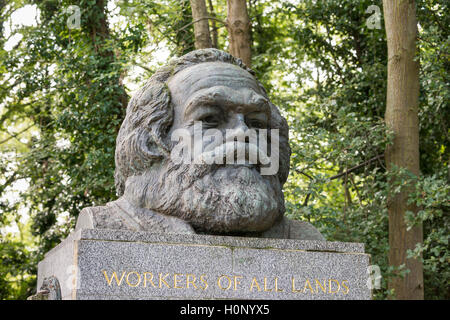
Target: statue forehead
{"type": "Point", "coordinates": [210, 74]}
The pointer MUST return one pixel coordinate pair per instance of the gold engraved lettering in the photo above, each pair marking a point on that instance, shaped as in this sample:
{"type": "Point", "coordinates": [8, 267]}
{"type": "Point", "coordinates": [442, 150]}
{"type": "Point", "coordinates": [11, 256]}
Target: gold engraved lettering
{"type": "Point", "coordinates": [188, 282]}
{"type": "Point", "coordinates": [265, 285]}
{"type": "Point", "coordinates": [254, 283]}
{"type": "Point", "coordinates": [276, 286]}
{"type": "Point", "coordinates": [114, 275]}
{"type": "Point", "coordinates": [224, 282]}
{"type": "Point", "coordinates": [162, 280]}
{"type": "Point", "coordinates": [307, 283]}
{"type": "Point", "coordinates": [345, 286]}
{"type": "Point", "coordinates": [220, 285]}
{"type": "Point", "coordinates": [137, 283]}
{"type": "Point", "coordinates": [329, 286]}
{"type": "Point", "coordinates": [319, 284]}
{"type": "Point", "coordinates": [149, 280]}
{"type": "Point", "coordinates": [236, 282]}
{"type": "Point", "coordinates": [203, 280]}
{"type": "Point", "coordinates": [176, 280]}
{"type": "Point", "coordinates": [293, 286]}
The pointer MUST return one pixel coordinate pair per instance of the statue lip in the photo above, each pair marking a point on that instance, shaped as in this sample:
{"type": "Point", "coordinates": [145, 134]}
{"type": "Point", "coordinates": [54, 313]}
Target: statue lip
{"type": "Point", "coordinates": [244, 165]}
{"type": "Point", "coordinates": [236, 166]}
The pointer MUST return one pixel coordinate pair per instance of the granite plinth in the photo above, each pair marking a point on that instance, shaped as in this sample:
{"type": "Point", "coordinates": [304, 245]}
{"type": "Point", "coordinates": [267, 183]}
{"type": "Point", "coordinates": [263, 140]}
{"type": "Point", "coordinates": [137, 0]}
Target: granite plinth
{"type": "Point", "coordinates": [112, 264]}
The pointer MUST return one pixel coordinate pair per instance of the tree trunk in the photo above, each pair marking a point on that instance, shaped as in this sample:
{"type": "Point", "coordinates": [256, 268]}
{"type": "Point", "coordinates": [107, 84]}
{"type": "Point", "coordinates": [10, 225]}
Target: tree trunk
{"type": "Point", "coordinates": [239, 26]}
{"type": "Point", "coordinates": [402, 118]}
{"type": "Point", "coordinates": [215, 35]}
{"type": "Point", "coordinates": [201, 24]}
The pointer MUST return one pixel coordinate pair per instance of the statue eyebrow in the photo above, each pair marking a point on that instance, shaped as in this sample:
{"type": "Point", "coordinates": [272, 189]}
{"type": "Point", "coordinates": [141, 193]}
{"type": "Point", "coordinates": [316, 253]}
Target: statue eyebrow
{"type": "Point", "coordinates": [202, 99]}
{"type": "Point", "coordinates": [216, 99]}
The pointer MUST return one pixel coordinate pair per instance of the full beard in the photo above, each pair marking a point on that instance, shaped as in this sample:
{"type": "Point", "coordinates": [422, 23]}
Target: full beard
{"type": "Point", "coordinates": [214, 199]}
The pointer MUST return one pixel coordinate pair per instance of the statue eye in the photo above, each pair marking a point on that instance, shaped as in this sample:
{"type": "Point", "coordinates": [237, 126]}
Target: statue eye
{"type": "Point", "coordinates": [210, 120]}
{"type": "Point", "coordinates": [257, 124]}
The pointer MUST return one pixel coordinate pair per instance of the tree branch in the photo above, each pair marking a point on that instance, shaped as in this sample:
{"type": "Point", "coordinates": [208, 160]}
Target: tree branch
{"type": "Point", "coordinates": [200, 19]}
{"type": "Point", "coordinates": [377, 158]}
{"type": "Point", "coordinates": [9, 181]}
{"type": "Point", "coordinates": [305, 174]}
{"type": "Point", "coordinates": [15, 134]}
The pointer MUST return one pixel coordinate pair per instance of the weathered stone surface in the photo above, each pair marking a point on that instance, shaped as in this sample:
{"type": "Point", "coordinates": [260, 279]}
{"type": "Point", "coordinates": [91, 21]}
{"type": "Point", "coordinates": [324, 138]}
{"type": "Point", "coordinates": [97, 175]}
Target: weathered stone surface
{"type": "Point", "coordinates": [189, 266]}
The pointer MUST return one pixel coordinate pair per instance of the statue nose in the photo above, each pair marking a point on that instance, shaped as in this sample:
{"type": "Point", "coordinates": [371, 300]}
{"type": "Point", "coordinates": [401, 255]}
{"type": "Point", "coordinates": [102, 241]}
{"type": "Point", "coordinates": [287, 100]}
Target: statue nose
{"type": "Point", "coordinates": [237, 129]}
{"type": "Point", "coordinates": [238, 122]}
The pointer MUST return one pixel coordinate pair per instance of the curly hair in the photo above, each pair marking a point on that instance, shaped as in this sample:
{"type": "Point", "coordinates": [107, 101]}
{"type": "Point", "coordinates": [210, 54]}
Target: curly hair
{"type": "Point", "coordinates": [142, 139]}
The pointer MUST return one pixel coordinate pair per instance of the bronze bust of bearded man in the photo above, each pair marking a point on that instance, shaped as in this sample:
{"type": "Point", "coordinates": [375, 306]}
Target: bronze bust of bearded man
{"type": "Point", "coordinates": [157, 194]}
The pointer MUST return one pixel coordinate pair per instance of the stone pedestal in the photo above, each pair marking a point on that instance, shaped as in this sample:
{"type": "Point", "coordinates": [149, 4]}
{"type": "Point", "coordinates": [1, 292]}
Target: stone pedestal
{"type": "Point", "coordinates": [112, 264]}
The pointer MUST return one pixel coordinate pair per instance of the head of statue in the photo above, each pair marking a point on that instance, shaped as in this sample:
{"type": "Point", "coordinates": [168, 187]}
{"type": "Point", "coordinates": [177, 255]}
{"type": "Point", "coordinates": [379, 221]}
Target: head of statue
{"type": "Point", "coordinates": [203, 94]}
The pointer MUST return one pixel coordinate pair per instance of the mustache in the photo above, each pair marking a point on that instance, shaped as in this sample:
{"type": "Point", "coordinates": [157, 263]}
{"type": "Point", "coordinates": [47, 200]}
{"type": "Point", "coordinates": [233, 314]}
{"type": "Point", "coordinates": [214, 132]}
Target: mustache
{"type": "Point", "coordinates": [233, 152]}
{"type": "Point", "coordinates": [224, 153]}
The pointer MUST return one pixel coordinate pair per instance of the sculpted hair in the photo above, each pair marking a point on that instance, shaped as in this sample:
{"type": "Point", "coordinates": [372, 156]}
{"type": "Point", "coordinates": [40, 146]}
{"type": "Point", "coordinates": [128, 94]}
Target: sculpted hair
{"type": "Point", "coordinates": [143, 139]}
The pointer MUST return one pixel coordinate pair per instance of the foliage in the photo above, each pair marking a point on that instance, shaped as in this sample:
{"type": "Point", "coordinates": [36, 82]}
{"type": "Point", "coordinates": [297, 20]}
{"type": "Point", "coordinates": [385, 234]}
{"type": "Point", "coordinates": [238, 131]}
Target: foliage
{"type": "Point", "coordinates": [18, 264]}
